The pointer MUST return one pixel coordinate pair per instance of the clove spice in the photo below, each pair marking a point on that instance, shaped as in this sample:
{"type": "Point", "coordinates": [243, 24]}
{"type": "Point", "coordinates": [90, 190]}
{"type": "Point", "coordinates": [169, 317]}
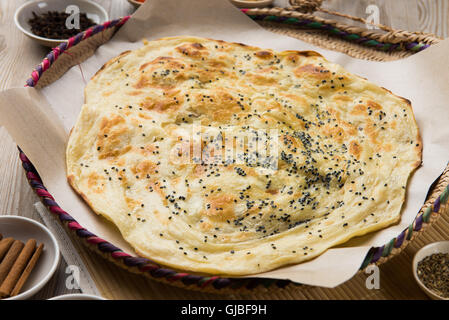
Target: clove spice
{"type": "Point", "coordinates": [52, 25]}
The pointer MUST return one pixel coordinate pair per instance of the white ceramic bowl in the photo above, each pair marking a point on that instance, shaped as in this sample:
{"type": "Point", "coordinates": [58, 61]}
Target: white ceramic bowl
{"type": "Point", "coordinates": [93, 11]}
{"type": "Point", "coordinates": [23, 229]}
{"type": "Point", "coordinates": [436, 247]}
{"type": "Point", "coordinates": [77, 296]}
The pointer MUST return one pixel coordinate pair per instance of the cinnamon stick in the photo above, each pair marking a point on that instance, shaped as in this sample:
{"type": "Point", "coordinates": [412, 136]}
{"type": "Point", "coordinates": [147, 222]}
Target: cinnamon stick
{"type": "Point", "coordinates": [17, 268]}
{"type": "Point", "coordinates": [10, 258]}
{"type": "Point", "coordinates": [5, 244]}
{"type": "Point", "coordinates": [30, 266]}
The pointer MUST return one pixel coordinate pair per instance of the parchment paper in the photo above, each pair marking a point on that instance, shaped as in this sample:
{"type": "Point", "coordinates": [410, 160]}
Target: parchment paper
{"type": "Point", "coordinates": [39, 121]}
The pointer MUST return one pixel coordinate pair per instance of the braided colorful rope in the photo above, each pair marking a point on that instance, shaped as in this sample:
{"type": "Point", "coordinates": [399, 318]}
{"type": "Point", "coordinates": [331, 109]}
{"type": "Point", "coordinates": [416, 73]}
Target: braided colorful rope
{"type": "Point", "coordinates": [60, 49]}
{"type": "Point", "coordinates": [352, 37]}
{"type": "Point", "coordinates": [147, 266]}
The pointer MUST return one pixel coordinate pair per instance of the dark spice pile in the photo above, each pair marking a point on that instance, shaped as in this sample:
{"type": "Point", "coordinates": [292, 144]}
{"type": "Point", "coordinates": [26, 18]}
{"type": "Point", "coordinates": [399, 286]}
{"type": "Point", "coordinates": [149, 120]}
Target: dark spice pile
{"type": "Point", "coordinates": [52, 24]}
{"type": "Point", "coordinates": [433, 271]}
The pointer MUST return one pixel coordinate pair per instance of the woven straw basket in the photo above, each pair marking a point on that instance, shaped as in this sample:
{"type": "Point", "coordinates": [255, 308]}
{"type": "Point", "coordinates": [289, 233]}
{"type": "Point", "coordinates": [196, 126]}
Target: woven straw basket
{"type": "Point", "coordinates": [357, 42]}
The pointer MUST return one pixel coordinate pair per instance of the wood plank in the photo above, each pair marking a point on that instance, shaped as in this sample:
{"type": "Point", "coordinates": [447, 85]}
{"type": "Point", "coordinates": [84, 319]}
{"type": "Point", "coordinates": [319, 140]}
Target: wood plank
{"type": "Point", "coordinates": [398, 14]}
{"type": "Point", "coordinates": [18, 54]}
{"type": "Point", "coordinates": [433, 17]}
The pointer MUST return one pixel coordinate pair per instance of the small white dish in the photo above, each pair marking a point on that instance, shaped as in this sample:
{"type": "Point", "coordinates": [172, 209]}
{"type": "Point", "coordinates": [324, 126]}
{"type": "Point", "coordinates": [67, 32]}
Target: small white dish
{"type": "Point", "coordinates": [77, 296]}
{"type": "Point", "coordinates": [24, 13]}
{"type": "Point", "coordinates": [436, 247]}
{"type": "Point", "coordinates": [251, 4]}
{"type": "Point", "coordinates": [23, 229]}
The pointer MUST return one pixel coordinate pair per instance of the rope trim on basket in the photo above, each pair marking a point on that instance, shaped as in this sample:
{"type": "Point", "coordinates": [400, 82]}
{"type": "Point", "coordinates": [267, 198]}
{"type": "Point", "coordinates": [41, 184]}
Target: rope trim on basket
{"type": "Point", "coordinates": [151, 268]}
{"type": "Point", "coordinates": [334, 31]}
{"type": "Point", "coordinates": [390, 41]}
{"type": "Point", "coordinates": [60, 49]}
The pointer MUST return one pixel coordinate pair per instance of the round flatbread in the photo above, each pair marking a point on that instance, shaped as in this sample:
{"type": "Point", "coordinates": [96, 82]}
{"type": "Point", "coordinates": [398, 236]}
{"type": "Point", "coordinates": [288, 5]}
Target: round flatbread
{"type": "Point", "coordinates": [224, 158]}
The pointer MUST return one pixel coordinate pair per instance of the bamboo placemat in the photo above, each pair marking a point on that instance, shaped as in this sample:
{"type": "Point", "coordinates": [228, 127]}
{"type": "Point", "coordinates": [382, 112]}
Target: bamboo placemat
{"type": "Point", "coordinates": [396, 278]}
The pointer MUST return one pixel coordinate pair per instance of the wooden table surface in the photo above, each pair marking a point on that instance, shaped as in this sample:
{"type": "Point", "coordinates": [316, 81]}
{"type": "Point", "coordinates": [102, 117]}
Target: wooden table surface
{"type": "Point", "coordinates": [19, 55]}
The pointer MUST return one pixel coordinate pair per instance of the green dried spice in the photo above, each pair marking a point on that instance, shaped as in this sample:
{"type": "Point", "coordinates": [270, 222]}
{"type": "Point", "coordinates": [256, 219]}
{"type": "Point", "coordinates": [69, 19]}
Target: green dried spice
{"type": "Point", "coordinates": [433, 271]}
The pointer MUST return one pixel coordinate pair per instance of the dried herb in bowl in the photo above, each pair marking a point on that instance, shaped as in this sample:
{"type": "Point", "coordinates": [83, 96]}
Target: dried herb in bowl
{"type": "Point", "coordinates": [52, 25]}
{"type": "Point", "coordinates": [433, 271]}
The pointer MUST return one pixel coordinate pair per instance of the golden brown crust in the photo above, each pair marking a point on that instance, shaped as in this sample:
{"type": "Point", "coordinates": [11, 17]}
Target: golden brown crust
{"type": "Point", "coordinates": [418, 140]}
{"type": "Point", "coordinates": [71, 181]}
{"type": "Point", "coordinates": [111, 61]}
{"type": "Point", "coordinates": [104, 66]}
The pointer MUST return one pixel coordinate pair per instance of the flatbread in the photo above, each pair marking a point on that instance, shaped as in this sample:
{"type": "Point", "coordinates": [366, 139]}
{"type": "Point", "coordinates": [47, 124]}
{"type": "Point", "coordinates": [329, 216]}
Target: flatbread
{"type": "Point", "coordinates": [334, 153]}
